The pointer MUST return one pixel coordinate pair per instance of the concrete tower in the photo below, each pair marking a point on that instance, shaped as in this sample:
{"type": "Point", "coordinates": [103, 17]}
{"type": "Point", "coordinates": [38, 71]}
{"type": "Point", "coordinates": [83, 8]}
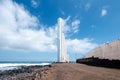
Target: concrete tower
{"type": "Point", "coordinates": [62, 50]}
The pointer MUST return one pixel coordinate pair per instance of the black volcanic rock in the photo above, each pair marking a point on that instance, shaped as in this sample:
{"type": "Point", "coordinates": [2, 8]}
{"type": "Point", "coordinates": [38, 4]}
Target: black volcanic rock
{"type": "Point", "coordinates": [24, 73]}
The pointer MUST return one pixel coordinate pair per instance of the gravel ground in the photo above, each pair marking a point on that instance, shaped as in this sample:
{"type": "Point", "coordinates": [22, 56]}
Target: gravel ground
{"type": "Point", "coordinates": [74, 71]}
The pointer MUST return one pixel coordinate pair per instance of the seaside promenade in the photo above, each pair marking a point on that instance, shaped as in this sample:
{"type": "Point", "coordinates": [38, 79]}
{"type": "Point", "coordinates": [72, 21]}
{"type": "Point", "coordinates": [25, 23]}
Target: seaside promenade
{"type": "Point", "coordinates": [62, 71]}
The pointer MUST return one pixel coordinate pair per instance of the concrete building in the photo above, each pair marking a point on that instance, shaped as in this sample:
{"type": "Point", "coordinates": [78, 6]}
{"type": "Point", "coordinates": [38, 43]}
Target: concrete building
{"type": "Point", "coordinates": [107, 51]}
{"type": "Point", "coordinates": [62, 49]}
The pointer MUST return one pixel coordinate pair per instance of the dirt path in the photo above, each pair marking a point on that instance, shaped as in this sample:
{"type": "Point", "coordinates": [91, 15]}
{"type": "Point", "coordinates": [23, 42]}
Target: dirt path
{"type": "Point", "coordinates": [73, 71]}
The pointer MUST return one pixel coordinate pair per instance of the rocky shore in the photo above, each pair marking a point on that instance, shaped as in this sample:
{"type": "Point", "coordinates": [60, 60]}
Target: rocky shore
{"type": "Point", "coordinates": [24, 73]}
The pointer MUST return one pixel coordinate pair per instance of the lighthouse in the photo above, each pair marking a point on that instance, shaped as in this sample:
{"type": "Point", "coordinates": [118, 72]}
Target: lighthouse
{"type": "Point", "coordinates": [62, 48]}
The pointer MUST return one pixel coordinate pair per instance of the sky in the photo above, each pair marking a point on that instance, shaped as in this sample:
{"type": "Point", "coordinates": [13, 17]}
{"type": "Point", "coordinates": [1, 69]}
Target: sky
{"type": "Point", "coordinates": [29, 28]}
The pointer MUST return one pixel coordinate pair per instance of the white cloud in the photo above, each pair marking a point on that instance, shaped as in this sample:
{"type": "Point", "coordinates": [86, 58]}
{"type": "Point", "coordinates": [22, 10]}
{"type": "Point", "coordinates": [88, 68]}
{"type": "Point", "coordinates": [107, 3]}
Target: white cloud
{"type": "Point", "coordinates": [75, 25]}
{"type": "Point", "coordinates": [80, 45]}
{"type": "Point", "coordinates": [62, 12]}
{"type": "Point", "coordinates": [93, 26]}
{"type": "Point", "coordinates": [18, 31]}
{"type": "Point", "coordinates": [103, 12]}
{"type": "Point", "coordinates": [87, 6]}
{"type": "Point", "coordinates": [35, 3]}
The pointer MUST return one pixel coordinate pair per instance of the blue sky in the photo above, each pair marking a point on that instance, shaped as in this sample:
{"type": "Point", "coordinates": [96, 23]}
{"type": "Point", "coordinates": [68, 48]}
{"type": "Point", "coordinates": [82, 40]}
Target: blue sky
{"type": "Point", "coordinates": [28, 28]}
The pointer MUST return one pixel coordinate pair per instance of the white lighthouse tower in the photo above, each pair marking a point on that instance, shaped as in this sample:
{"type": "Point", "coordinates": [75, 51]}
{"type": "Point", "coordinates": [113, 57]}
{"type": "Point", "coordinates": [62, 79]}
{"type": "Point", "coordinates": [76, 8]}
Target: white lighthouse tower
{"type": "Point", "coordinates": [62, 50]}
